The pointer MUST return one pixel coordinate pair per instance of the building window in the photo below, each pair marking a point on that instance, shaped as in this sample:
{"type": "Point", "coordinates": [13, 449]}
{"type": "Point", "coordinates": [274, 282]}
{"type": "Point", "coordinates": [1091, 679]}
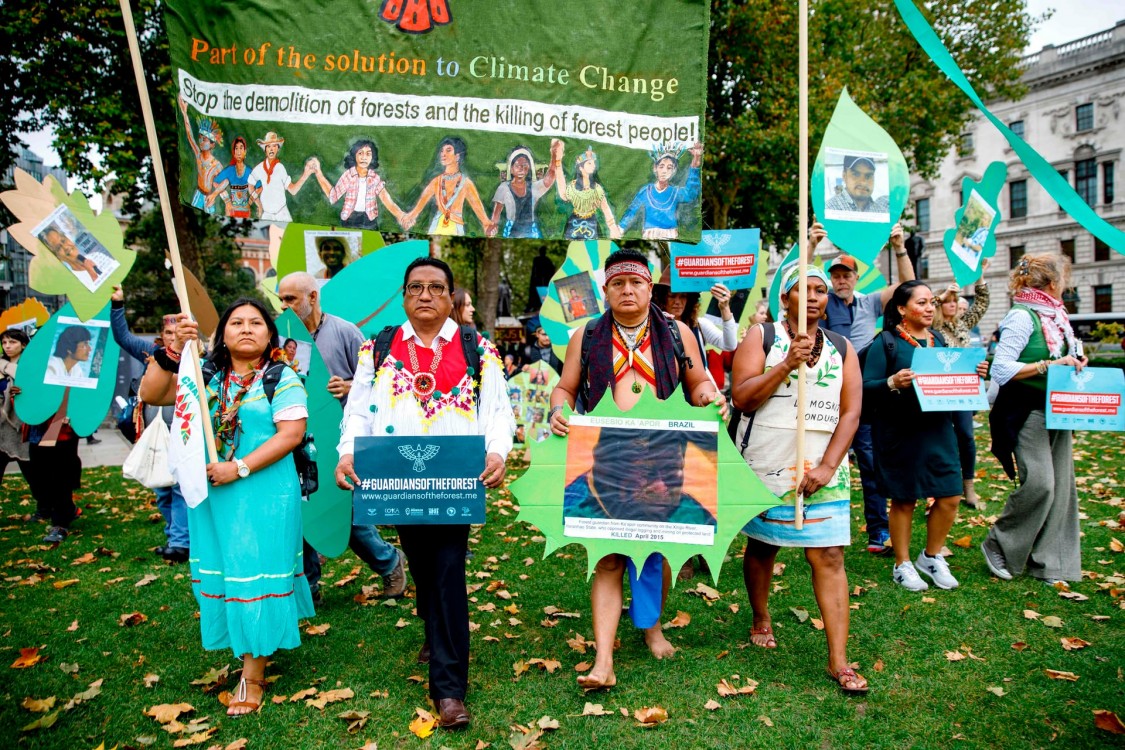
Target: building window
{"type": "Point", "coordinates": [1066, 247]}
{"type": "Point", "coordinates": [1084, 117]}
{"type": "Point", "coordinates": [1065, 174]}
{"type": "Point", "coordinates": [1103, 298]}
{"type": "Point", "coordinates": [1014, 254]}
{"type": "Point", "coordinates": [1017, 199]}
{"type": "Point", "coordinates": [1070, 300]}
{"type": "Point", "coordinates": [1016, 126]}
{"type": "Point", "coordinates": [1101, 250]}
{"type": "Point", "coordinates": [1107, 183]}
{"type": "Point", "coordinates": [965, 144]}
{"type": "Point", "coordinates": [1086, 181]}
{"type": "Point", "coordinates": [924, 267]}
{"type": "Point", "coordinates": [922, 214]}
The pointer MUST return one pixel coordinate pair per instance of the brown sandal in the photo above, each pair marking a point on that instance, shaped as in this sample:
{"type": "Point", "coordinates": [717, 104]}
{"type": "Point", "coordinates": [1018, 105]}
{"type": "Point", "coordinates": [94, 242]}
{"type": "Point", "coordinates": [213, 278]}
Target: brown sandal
{"type": "Point", "coordinates": [765, 630]}
{"type": "Point", "coordinates": [241, 691]}
{"type": "Point", "coordinates": [846, 675]}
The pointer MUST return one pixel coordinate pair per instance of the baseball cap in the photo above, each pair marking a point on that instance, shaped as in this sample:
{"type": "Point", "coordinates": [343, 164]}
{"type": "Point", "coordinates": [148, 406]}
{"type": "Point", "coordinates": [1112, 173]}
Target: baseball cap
{"type": "Point", "coordinates": [850, 161]}
{"type": "Point", "coordinates": [844, 261]}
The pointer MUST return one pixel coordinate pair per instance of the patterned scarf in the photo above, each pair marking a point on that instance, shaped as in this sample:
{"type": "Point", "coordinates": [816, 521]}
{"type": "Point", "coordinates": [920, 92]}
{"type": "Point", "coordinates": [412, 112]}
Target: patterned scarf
{"type": "Point", "coordinates": [1052, 314]}
{"type": "Point", "coordinates": [600, 371]}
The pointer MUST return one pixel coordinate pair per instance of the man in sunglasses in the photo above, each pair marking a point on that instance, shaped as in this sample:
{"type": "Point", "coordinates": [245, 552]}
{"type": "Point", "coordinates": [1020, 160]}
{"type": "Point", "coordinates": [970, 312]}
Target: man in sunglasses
{"type": "Point", "coordinates": [418, 380]}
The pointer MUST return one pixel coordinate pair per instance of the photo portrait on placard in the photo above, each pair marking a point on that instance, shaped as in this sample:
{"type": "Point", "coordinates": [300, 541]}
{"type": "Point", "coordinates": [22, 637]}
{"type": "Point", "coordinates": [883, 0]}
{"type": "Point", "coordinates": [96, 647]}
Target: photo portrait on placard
{"type": "Point", "coordinates": [328, 252]}
{"type": "Point", "coordinates": [856, 185]}
{"type": "Point", "coordinates": [577, 297]}
{"type": "Point", "coordinates": [75, 248]}
{"type": "Point", "coordinates": [298, 354]}
{"type": "Point", "coordinates": [640, 482]}
{"type": "Point", "coordinates": [972, 232]}
{"type": "Point", "coordinates": [77, 353]}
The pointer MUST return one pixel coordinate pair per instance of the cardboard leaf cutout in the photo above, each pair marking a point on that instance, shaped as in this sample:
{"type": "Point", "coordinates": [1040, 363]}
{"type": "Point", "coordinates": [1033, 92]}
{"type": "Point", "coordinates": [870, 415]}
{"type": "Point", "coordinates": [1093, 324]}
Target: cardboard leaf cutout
{"type": "Point", "coordinates": [27, 316]}
{"type": "Point", "coordinates": [368, 292]}
{"type": "Point", "coordinates": [739, 495]}
{"type": "Point", "coordinates": [574, 295]}
{"type": "Point", "coordinates": [53, 221]}
{"type": "Point", "coordinates": [202, 308]}
{"type": "Point", "coordinates": [327, 515]}
{"type": "Point", "coordinates": [297, 249]}
{"type": "Point", "coordinates": [973, 238]}
{"type": "Point", "coordinates": [860, 182]}
{"type": "Point", "coordinates": [870, 280]}
{"type": "Point", "coordinates": [87, 384]}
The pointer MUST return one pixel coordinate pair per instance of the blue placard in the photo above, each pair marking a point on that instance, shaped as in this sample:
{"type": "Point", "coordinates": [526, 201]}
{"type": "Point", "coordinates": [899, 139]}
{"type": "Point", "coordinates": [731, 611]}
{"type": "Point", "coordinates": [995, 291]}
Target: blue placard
{"type": "Point", "coordinates": [727, 257]}
{"type": "Point", "coordinates": [419, 480]}
{"type": "Point", "coordinates": [946, 379]}
{"type": "Point", "coordinates": [1087, 400]}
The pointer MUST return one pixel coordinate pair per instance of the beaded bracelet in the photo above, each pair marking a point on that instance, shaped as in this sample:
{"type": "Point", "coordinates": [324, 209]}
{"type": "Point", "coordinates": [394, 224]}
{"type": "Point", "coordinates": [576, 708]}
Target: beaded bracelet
{"type": "Point", "coordinates": [1041, 366]}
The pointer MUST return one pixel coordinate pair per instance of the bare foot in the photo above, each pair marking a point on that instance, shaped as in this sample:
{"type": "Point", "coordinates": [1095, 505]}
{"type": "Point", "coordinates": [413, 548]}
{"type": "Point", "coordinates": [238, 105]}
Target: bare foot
{"type": "Point", "coordinates": [598, 677]}
{"type": "Point", "coordinates": [761, 634]}
{"type": "Point", "coordinates": [657, 643]}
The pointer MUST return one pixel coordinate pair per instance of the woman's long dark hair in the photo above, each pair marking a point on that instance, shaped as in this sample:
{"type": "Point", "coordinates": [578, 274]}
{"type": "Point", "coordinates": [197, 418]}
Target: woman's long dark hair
{"type": "Point", "coordinates": [220, 355]}
{"type": "Point", "coordinates": [15, 334]}
{"type": "Point", "coordinates": [891, 316]}
{"type": "Point", "coordinates": [69, 340]}
{"type": "Point", "coordinates": [349, 160]}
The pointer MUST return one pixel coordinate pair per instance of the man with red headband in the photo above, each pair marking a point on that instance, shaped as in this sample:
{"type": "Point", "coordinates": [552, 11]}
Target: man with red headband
{"type": "Point", "coordinates": [632, 347]}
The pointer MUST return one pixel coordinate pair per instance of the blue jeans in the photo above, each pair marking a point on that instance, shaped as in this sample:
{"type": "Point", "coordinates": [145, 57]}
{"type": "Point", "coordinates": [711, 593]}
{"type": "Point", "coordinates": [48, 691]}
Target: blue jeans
{"type": "Point", "coordinates": [171, 505]}
{"type": "Point", "coordinates": [874, 504]}
{"type": "Point", "coordinates": [365, 541]}
{"type": "Point", "coordinates": [963, 428]}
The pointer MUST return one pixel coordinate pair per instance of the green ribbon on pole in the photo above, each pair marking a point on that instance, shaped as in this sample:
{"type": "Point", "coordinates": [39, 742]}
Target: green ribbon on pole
{"type": "Point", "coordinates": [1054, 183]}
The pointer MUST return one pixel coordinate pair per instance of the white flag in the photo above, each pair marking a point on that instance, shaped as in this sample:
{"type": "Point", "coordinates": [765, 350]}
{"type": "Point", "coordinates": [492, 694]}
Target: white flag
{"type": "Point", "coordinates": [187, 449]}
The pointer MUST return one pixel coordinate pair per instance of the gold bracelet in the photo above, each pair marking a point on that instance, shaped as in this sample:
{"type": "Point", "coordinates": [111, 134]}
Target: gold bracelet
{"type": "Point", "coordinates": [1041, 366]}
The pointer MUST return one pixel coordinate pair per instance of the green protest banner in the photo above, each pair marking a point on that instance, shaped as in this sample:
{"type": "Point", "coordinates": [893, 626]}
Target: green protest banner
{"type": "Point", "coordinates": [520, 118]}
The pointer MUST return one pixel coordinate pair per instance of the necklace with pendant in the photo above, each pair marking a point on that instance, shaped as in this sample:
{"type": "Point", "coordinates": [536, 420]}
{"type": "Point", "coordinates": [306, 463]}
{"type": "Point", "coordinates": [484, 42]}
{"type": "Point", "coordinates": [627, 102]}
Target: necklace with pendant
{"type": "Point", "coordinates": [424, 383]}
{"type": "Point", "coordinates": [633, 339]}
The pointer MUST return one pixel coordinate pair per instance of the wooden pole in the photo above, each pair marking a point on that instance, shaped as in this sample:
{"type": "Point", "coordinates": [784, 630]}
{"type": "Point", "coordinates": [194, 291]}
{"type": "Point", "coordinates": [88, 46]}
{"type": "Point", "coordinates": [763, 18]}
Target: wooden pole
{"type": "Point", "coordinates": [179, 282]}
{"type": "Point", "coordinates": [802, 240]}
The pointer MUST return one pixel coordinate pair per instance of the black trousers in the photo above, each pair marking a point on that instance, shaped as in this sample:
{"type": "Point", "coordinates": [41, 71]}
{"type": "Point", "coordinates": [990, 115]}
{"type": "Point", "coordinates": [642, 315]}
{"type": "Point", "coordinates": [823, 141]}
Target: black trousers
{"type": "Point", "coordinates": [55, 473]}
{"type": "Point", "coordinates": [436, 555]}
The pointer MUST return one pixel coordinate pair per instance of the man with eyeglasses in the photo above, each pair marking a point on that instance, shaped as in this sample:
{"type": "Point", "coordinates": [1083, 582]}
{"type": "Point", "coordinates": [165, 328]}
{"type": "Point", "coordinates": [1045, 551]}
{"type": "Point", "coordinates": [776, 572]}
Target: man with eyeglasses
{"type": "Point", "coordinates": [423, 384]}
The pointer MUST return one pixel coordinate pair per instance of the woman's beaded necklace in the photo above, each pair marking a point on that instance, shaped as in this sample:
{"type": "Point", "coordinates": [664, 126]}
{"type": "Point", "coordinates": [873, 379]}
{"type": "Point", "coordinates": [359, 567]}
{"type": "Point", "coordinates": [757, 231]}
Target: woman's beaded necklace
{"type": "Point", "coordinates": [905, 336]}
{"type": "Point", "coordinates": [818, 345]}
{"type": "Point", "coordinates": [226, 421]}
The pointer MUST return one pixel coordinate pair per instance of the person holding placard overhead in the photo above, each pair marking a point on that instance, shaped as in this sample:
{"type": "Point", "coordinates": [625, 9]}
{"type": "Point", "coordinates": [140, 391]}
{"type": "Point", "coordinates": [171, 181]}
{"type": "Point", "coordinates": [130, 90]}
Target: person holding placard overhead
{"type": "Point", "coordinates": [1037, 533]}
{"type": "Point", "coordinates": [916, 451]}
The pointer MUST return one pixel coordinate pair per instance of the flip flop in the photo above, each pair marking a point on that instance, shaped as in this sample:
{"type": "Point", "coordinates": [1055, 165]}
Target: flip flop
{"type": "Point", "coordinates": [764, 630]}
{"type": "Point", "coordinates": [849, 675]}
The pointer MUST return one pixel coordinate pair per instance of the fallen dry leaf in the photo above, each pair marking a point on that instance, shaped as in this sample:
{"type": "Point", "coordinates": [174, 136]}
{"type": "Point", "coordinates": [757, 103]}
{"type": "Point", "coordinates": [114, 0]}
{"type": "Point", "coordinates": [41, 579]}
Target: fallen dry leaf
{"type": "Point", "coordinates": [650, 716]}
{"type": "Point", "coordinates": [546, 723]}
{"type": "Point", "coordinates": [997, 691]}
{"type": "Point", "coordinates": [317, 629]}
{"type": "Point", "coordinates": [196, 739]}
{"type": "Point", "coordinates": [548, 664]}
{"type": "Point", "coordinates": [709, 594]}
{"type": "Point", "coordinates": [1019, 646]}
{"type": "Point", "coordinates": [300, 695]}
{"type": "Point", "coordinates": [64, 584]}
{"type": "Point", "coordinates": [423, 724]}
{"type": "Point", "coordinates": [878, 666]}
{"type": "Point", "coordinates": [129, 619]}
{"type": "Point", "coordinates": [1052, 622]}
{"type": "Point", "coordinates": [1108, 721]}
{"type": "Point", "coordinates": [964, 542]}
{"type": "Point", "coordinates": [356, 719]}
{"type": "Point", "coordinates": [238, 744]}
{"type": "Point", "coordinates": [520, 667]}
{"type": "Point", "coordinates": [1031, 614]}
{"type": "Point", "coordinates": [1115, 545]}
{"type": "Point", "coordinates": [801, 613]}
{"type": "Point", "coordinates": [402, 623]}
{"type": "Point", "coordinates": [818, 624]}
{"type": "Point", "coordinates": [43, 722]}
{"type": "Point", "coordinates": [39, 706]}
{"type": "Point", "coordinates": [146, 580]}
{"type": "Point", "coordinates": [712, 705]}
{"type": "Point", "coordinates": [727, 690]}
{"type": "Point", "coordinates": [330, 696]}
{"type": "Point", "coordinates": [151, 680]}
{"type": "Point", "coordinates": [1055, 674]}
{"type": "Point", "coordinates": [166, 712]}
{"type": "Point", "coordinates": [681, 620]}
{"type": "Point", "coordinates": [72, 627]}
{"type": "Point", "coordinates": [212, 678]}
{"type": "Point", "coordinates": [1073, 644]}
{"type": "Point", "coordinates": [955, 655]}
{"type": "Point", "coordinates": [765, 720]}
{"type": "Point", "coordinates": [28, 657]}
{"type": "Point", "coordinates": [595, 709]}
{"type": "Point", "coordinates": [582, 666]}
{"type": "Point", "coordinates": [578, 643]}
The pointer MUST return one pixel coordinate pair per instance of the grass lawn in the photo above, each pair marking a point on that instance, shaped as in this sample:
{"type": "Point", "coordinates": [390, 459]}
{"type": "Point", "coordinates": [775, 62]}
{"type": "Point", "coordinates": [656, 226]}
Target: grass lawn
{"type": "Point", "coordinates": [932, 658]}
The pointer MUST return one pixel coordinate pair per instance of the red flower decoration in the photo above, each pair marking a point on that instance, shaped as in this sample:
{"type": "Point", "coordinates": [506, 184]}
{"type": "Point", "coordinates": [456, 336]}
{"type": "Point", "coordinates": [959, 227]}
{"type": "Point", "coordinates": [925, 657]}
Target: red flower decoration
{"type": "Point", "coordinates": [416, 16]}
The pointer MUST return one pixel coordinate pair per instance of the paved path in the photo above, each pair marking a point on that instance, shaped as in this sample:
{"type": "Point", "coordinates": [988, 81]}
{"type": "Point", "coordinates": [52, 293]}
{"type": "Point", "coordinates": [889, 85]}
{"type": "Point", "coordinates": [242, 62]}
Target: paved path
{"type": "Point", "coordinates": [111, 451]}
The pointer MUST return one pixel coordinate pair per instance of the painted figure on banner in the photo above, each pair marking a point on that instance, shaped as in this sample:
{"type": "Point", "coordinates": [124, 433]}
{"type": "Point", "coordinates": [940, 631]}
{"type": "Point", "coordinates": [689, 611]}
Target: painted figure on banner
{"type": "Point", "coordinates": [633, 347]}
{"type": "Point", "coordinates": [585, 195]}
{"type": "Point", "coordinates": [233, 184]}
{"type": "Point", "coordinates": [207, 167]}
{"type": "Point", "coordinates": [660, 200]}
{"type": "Point", "coordinates": [274, 180]}
{"type": "Point", "coordinates": [416, 16]}
{"type": "Point", "coordinates": [360, 186]}
{"type": "Point", "coordinates": [517, 199]}
{"type": "Point", "coordinates": [449, 190]}
{"type": "Point", "coordinates": [856, 192]}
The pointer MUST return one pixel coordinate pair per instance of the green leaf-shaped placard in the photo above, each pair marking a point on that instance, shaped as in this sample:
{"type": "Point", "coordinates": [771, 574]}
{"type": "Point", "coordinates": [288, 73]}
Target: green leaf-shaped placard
{"type": "Point", "coordinates": [860, 182]}
{"type": "Point", "coordinates": [300, 243]}
{"type": "Point", "coordinates": [69, 356]}
{"type": "Point", "coordinates": [76, 253]}
{"type": "Point", "coordinates": [327, 514]}
{"type": "Point", "coordinates": [574, 295]}
{"type": "Point", "coordinates": [870, 280]}
{"type": "Point", "coordinates": [973, 238]}
{"type": "Point", "coordinates": [717, 482]}
{"type": "Point", "coordinates": [368, 292]}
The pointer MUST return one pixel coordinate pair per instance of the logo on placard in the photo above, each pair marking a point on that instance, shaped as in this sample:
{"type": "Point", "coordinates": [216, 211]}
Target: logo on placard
{"type": "Point", "coordinates": [948, 358]}
{"type": "Point", "coordinates": [416, 16]}
{"type": "Point", "coordinates": [1081, 379]}
{"type": "Point", "coordinates": [716, 242]}
{"type": "Point", "coordinates": [418, 455]}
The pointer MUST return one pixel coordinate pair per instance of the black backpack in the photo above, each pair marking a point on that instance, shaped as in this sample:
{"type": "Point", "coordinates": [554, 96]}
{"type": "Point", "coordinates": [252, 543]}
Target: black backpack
{"type": "Point", "coordinates": [872, 402]}
{"type": "Point", "coordinates": [682, 360]}
{"type": "Point", "coordinates": [304, 455]}
{"type": "Point", "coordinates": [737, 415]}
{"type": "Point", "coordinates": [469, 348]}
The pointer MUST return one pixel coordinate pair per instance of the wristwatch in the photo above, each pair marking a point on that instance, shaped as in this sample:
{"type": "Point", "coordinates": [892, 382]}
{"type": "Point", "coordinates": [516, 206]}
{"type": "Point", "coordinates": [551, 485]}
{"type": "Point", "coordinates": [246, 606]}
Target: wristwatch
{"type": "Point", "coordinates": [891, 384]}
{"type": "Point", "coordinates": [243, 469]}
{"type": "Point", "coordinates": [903, 254]}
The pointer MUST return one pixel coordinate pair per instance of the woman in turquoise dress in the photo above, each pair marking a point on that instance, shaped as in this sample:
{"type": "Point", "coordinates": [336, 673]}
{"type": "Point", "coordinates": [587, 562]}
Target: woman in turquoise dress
{"type": "Point", "coordinates": [245, 558]}
{"type": "Point", "coordinates": [764, 387]}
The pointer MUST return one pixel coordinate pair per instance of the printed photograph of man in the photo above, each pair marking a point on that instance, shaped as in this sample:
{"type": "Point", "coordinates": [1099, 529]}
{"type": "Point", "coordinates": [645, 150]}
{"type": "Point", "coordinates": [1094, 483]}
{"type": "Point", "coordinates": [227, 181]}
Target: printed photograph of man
{"type": "Point", "coordinates": [856, 185]}
{"type": "Point", "coordinates": [576, 295]}
{"type": "Point", "coordinates": [972, 232]}
{"type": "Point", "coordinates": [328, 253]}
{"type": "Point", "coordinates": [86, 258]}
{"type": "Point", "coordinates": [76, 356]}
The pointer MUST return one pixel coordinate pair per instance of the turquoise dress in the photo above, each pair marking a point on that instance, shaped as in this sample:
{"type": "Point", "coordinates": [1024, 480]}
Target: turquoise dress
{"type": "Point", "coordinates": [246, 566]}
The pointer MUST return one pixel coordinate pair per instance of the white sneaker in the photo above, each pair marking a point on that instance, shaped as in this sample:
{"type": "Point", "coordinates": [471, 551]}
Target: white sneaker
{"type": "Point", "coordinates": [906, 576]}
{"type": "Point", "coordinates": [936, 569]}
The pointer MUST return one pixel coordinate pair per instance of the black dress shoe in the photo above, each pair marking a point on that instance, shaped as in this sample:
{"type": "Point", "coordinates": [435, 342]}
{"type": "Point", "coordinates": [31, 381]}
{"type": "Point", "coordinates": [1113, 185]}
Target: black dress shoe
{"type": "Point", "coordinates": [424, 654]}
{"type": "Point", "coordinates": [175, 554]}
{"type": "Point", "coordinates": [452, 713]}
{"type": "Point", "coordinates": [161, 551]}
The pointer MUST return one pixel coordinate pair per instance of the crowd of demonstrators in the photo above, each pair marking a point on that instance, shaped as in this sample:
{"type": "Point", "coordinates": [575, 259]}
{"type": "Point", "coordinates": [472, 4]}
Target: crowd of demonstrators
{"type": "Point", "coordinates": [430, 342]}
{"type": "Point", "coordinates": [684, 307]}
{"type": "Point", "coordinates": [853, 315]}
{"type": "Point", "coordinates": [955, 319]}
{"type": "Point", "coordinates": [632, 348]}
{"type": "Point", "coordinates": [169, 500]}
{"type": "Point", "coordinates": [338, 342]}
{"type": "Point", "coordinates": [916, 450]}
{"type": "Point", "coordinates": [245, 553]}
{"type": "Point", "coordinates": [764, 386]}
{"type": "Point", "coordinates": [1038, 532]}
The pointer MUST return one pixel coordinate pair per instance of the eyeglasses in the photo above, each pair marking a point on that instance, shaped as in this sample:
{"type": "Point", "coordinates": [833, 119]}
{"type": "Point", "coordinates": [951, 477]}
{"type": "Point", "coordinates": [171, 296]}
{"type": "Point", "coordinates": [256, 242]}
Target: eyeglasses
{"type": "Point", "coordinates": [415, 289]}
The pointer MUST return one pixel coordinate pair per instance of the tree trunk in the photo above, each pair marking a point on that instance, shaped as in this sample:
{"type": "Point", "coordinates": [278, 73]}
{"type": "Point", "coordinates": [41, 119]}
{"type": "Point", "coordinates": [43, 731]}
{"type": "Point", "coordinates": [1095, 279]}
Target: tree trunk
{"type": "Point", "coordinates": [489, 293]}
